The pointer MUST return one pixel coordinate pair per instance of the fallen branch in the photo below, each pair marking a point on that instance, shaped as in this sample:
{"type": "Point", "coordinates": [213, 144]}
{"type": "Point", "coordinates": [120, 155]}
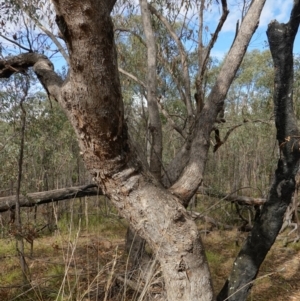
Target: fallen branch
{"type": "Point", "coordinates": [44, 197]}
{"type": "Point", "coordinates": [211, 221]}
{"type": "Point", "coordinates": [38, 198]}
{"type": "Point", "coordinates": [240, 199]}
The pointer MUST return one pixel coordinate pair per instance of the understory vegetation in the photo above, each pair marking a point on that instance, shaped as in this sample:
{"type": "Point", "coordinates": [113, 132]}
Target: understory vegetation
{"type": "Point", "coordinates": [125, 144]}
{"type": "Point", "coordinates": [74, 249]}
{"type": "Point", "coordinates": [83, 258]}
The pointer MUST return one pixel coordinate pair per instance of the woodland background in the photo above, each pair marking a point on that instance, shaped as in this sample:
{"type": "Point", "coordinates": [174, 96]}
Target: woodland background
{"type": "Point", "coordinates": [73, 248]}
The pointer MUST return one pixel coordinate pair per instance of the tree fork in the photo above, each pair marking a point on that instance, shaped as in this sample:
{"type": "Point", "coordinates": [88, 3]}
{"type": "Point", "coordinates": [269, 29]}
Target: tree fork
{"type": "Point", "coordinates": [93, 102]}
{"type": "Point", "coordinates": [91, 97]}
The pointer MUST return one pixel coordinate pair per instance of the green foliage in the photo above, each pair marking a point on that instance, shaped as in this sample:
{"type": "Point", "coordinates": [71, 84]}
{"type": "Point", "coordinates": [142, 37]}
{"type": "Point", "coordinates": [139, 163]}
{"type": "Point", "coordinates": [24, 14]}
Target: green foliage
{"type": "Point", "coordinates": [246, 162]}
{"type": "Point", "coordinates": [252, 90]}
{"type": "Point", "coordinates": [51, 155]}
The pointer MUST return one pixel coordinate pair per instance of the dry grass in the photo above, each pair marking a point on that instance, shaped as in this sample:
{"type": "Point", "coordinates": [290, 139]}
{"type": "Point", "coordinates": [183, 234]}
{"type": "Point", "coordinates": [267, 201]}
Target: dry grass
{"type": "Point", "coordinates": [80, 265]}
{"type": "Point", "coordinates": [279, 276]}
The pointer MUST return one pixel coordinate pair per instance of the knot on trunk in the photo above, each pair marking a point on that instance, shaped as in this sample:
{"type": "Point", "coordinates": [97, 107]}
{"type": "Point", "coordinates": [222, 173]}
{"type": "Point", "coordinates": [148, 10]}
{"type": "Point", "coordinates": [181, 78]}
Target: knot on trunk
{"type": "Point", "coordinates": [179, 216]}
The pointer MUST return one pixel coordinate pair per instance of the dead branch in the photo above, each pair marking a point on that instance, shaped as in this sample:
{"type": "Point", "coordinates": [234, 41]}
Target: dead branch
{"type": "Point", "coordinates": [44, 197]}
{"type": "Point", "coordinates": [220, 142]}
{"type": "Point", "coordinates": [42, 66]}
{"type": "Point", "coordinates": [140, 82]}
{"type": "Point", "coordinates": [240, 199]}
{"type": "Point", "coordinates": [211, 221]}
{"type": "Point", "coordinates": [38, 198]}
{"type": "Point", "coordinates": [16, 43]}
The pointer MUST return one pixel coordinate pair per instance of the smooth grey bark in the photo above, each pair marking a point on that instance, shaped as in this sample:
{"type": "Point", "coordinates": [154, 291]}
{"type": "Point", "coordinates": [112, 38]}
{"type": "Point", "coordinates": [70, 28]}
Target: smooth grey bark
{"type": "Point", "coordinates": [192, 175]}
{"type": "Point", "coordinates": [154, 127]}
{"type": "Point", "coordinates": [269, 222]}
{"type": "Point", "coordinates": [204, 53]}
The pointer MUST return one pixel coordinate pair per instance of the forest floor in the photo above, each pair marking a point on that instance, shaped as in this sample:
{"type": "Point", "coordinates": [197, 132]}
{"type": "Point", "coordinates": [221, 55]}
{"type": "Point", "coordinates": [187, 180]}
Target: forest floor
{"type": "Point", "coordinates": [83, 265]}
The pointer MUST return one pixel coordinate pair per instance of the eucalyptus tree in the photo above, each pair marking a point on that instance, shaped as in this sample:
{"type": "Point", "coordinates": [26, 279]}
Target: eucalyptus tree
{"type": "Point", "coordinates": [244, 166]}
{"type": "Point", "coordinates": [51, 155]}
{"type": "Point", "coordinates": [152, 197]}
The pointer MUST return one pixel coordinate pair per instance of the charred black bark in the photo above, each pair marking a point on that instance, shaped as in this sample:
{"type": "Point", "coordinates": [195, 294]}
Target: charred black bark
{"type": "Point", "coordinates": [268, 223]}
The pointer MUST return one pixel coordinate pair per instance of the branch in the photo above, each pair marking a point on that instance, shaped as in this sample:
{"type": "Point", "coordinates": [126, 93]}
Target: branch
{"type": "Point", "coordinates": [220, 142]}
{"type": "Point", "coordinates": [175, 78]}
{"type": "Point", "coordinates": [155, 127]}
{"type": "Point", "coordinates": [211, 221]}
{"type": "Point", "coordinates": [54, 39]}
{"type": "Point", "coordinates": [27, 33]}
{"type": "Point", "coordinates": [295, 18]}
{"type": "Point", "coordinates": [161, 60]}
{"type": "Point", "coordinates": [240, 199]}
{"type": "Point", "coordinates": [140, 82]}
{"type": "Point", "coordinates": [192, 175]}
{"type": "Point", "coordinates": [45, 30]}
{"type": "Point", "coordinates": [42, 66]}
{"type": "Point", "coordinates": [269, 221]}
{"type": "Point", "coordinates": [19, 63]}
{"type": "Point", "coordinates": [131, 32]}
{"type": "Point", "coordinates": [212, 41]}
{"type": "Point", "coordinates": [183, 56]}
{"type": "Point", "coordinates": [16, 43]}
{"type": "Point", "coordinates": [44, 197]}
{"type": "Point", "coordinates": [169, 119]}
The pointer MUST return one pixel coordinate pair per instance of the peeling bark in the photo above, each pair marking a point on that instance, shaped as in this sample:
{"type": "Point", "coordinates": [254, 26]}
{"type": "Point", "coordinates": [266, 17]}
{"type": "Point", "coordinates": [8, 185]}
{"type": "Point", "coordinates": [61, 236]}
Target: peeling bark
{"type": "Point", "coordinates": [91, 97]}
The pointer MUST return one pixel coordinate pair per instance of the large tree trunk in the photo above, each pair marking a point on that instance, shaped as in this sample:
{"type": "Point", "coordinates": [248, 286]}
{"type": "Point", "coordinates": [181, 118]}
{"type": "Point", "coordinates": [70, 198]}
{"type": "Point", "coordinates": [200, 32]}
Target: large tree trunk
{"type": "Point", "coordinates": [268, 223]}
{"type": "Point", "coordinates": [92, 100]}
{"type": "Point", "coordinates": [91, 97]}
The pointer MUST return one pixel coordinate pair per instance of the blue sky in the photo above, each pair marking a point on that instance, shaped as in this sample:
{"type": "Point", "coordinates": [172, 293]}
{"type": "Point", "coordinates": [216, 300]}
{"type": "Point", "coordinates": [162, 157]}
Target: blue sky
{"type": "Point", "coordinates": [274, 9]}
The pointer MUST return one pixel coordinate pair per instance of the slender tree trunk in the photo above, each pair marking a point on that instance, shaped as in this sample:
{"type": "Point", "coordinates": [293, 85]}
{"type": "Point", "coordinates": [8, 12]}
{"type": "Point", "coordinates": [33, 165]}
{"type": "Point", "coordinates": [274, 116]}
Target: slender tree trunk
{"type": "Point", "coordinates": [154, 117]}
{"type": "Point", "coordinates": [268, 223]}
{"type": "Point", "coordinates": [135, 245]}
{"type": "Point", "coordinates": [19, 237]}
